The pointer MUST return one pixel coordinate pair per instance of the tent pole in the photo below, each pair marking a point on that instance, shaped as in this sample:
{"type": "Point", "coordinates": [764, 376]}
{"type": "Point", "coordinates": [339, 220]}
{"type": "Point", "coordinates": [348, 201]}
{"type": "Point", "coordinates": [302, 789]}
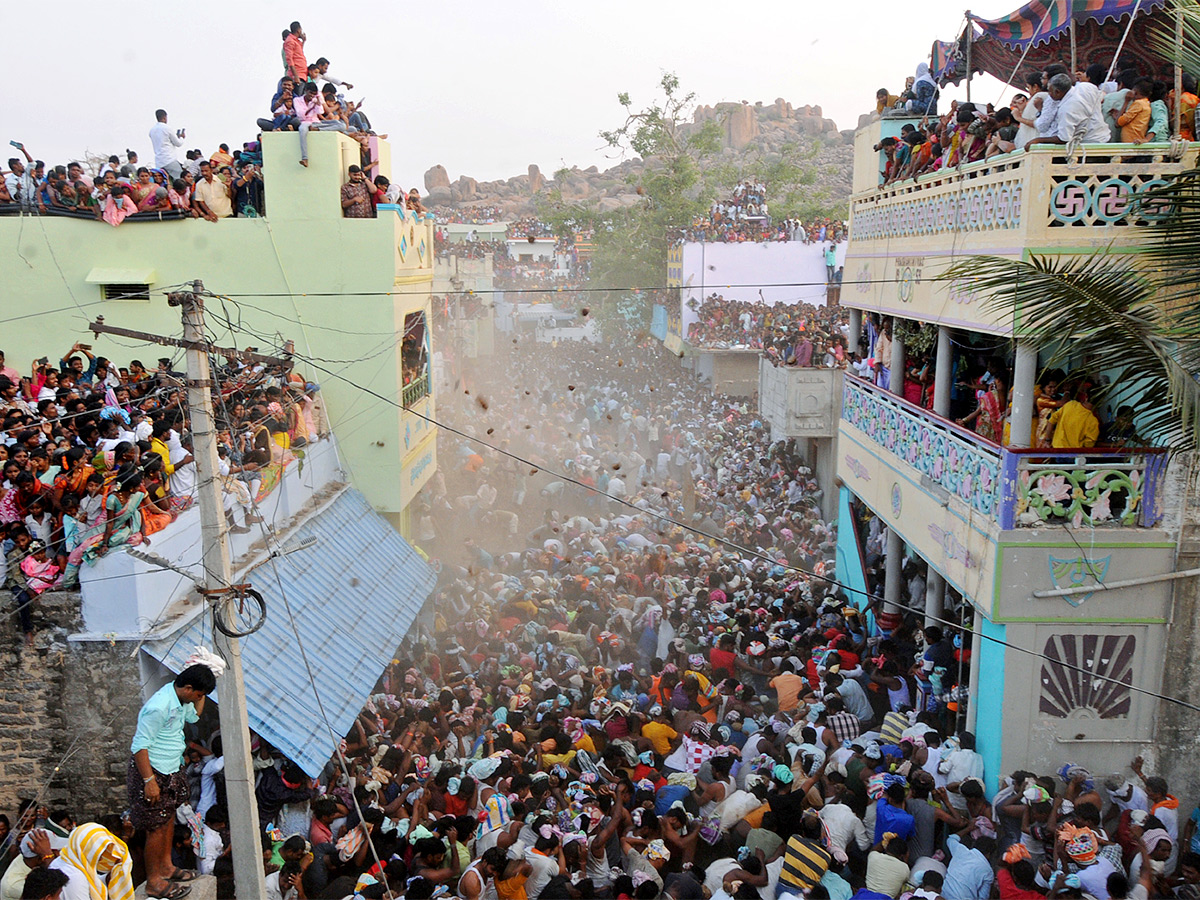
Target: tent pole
{"type": "Point", "coordinates": [1074, 54]}
{"type": "Point", "coordinates": [969, 36]}
{"type": "Point", "coordinates": [1178, 69]}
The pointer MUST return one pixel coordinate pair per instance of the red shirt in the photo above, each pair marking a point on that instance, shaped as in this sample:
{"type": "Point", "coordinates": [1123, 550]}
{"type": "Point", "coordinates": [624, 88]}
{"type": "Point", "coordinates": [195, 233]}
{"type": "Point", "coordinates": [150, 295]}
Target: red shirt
{"type": "Point", "coordinates": [1009, 890]}
{"type": "Point", "coordinates": [722, 659]}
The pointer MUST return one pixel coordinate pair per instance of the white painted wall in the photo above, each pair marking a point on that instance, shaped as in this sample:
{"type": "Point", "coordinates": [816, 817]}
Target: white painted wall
{"type": "Point", "coordinates": [791, 272]}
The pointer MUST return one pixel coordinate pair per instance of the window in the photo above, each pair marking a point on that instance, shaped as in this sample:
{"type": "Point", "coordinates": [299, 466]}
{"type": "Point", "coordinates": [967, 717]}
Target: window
{"type": "Point", "coordinates": [133, 292]}
{"type": "Point", "coordinates": [414, 360]}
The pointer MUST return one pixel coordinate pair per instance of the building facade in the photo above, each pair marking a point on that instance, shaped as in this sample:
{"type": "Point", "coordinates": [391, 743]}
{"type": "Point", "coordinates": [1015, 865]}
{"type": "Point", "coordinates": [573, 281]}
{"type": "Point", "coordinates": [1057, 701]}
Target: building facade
{"type": "Point", "coordinates": [1030, 547]}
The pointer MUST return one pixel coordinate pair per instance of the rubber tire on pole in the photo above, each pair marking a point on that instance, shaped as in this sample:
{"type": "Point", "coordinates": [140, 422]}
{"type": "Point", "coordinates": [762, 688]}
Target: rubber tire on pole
{"type": "Point", "coordinates": [250, 616]}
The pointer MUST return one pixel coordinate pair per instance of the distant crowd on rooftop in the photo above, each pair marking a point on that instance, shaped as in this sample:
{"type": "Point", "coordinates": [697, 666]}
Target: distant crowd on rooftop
{"type": "Point", "coordinates": [745, 216]}
{"type": "Point", "coordinates": [1057, 108]}
{"type": "Point", "coordinates": [798, 334]}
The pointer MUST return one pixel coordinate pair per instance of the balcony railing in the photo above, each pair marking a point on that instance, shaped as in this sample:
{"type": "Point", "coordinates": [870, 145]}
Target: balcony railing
{"type": "Point", "coordinates": [953, 457]}
{"type": "Point", "coordinates": [1027, 190]}
{"type": "Point", "coordinates": [1019, 488]}
{"type": "Point", "coordinates": [415, 390]}
{"type": "Point", "coordinates": [1094, 487]}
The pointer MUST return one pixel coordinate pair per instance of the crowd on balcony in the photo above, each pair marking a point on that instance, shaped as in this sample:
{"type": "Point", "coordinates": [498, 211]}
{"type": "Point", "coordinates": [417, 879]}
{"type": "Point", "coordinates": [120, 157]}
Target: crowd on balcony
{"type": "Point", "coordinates": [1058, 108]}
{"type": "Point", "coordinates": [97, 456]}
{"type": "Point", "coordinates": [797, 334]}
{"type": "Point", "coordinates": [1067, 413]}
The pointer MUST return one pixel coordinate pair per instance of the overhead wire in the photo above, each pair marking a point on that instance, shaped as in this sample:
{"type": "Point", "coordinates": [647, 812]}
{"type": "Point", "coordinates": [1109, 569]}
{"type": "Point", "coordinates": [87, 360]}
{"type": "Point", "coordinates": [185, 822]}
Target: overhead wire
{"type": "Point", "coordinates": [745, 551]}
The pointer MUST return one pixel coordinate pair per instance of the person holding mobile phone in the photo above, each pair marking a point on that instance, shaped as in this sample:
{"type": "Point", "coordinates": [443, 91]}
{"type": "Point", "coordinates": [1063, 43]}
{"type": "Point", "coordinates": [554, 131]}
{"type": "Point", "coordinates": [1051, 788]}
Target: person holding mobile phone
{"type": "Point", "coordinates": [19, 182]}
{"type": "Point", "coordinates": [164, 141]}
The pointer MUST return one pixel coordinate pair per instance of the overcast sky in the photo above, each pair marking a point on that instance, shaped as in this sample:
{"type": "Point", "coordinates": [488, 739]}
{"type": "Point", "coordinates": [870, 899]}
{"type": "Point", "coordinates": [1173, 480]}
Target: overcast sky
{"type": "Point", "coordinates": [483, 88]}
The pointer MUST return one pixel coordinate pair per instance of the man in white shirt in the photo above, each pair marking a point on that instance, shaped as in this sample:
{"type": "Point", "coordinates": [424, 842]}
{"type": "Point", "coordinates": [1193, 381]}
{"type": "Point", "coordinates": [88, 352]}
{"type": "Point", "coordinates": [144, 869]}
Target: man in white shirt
{"type": "Point", "coordinates": [164, 141]}
{"type": "Point", "coordinates": [1080, 117]}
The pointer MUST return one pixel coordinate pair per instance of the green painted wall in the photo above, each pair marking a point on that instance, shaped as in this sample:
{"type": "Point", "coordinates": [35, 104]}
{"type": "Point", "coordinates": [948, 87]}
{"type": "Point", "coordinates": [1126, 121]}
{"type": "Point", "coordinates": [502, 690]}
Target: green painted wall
{"type": "Point", "coordinates": [302, 248]}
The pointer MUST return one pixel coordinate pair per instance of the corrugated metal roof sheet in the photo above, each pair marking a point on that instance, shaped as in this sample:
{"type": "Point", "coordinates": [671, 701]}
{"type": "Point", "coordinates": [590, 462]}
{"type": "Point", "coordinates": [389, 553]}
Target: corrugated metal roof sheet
{"type": "Point", "coordinates": [355, 594]}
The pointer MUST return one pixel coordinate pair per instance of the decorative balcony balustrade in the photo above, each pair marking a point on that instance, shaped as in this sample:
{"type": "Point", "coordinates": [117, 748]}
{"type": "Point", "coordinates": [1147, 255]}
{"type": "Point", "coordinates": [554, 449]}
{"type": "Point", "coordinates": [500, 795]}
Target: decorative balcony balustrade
{"type": "Point", "coordinates": [958, 460]}
{"type": "Point", "coordinates": [1093, 487]}
{"type": "Point", "coordinates": [1019, 488]}
{"type": "Point", "coordinates": [415, 390]}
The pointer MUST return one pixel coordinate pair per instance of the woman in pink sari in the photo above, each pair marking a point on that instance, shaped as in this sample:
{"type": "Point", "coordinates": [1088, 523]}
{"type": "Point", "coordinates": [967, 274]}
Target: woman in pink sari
{"type": "Point", "coordinates": [989, 415]}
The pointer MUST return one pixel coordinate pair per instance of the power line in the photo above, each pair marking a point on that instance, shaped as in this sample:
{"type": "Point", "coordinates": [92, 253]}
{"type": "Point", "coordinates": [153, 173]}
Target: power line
{"type": "Point", "coordinates": [746, 551]}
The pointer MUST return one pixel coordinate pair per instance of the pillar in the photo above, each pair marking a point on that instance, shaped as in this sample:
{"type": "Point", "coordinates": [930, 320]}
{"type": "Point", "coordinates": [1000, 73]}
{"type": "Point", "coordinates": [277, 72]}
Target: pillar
{"type": "Point", "coordinates": [893, 581]}
{"type": "Point", "coordinates": [935, 591]}
{"type": "Point", "coordinates": [855, 329]}
{"type": "Point", "coordinates": [976, 648]}
{"type": "Point", "coordinates": [896, 366]}
{"type": "Point", "coordinates": [1024, 376]}
{"type": "Point", "coordinates": [943, 376]}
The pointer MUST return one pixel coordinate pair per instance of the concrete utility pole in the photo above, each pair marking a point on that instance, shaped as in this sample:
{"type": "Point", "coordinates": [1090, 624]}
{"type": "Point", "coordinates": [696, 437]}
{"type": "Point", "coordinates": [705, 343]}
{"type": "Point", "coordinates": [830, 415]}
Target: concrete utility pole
{"type": "Point", "coordinates": [218, 574]}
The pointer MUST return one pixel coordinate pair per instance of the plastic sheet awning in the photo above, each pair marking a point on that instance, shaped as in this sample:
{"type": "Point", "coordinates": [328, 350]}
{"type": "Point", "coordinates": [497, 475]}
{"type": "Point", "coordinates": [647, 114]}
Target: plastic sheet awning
{"type": "Point", "coordinates": [354, 595]}
{"type": "Point", "coordinates": [1041, 32]}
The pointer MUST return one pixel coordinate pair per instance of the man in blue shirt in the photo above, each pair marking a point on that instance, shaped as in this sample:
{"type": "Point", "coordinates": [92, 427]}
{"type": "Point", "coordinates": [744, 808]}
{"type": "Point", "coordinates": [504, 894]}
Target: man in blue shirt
{"type": "Point", "coordinates": [156, 783]}
{"type": "Point", "coordinates": [969, 875]}
{"type": "Point", "coordinates": [890, 814]}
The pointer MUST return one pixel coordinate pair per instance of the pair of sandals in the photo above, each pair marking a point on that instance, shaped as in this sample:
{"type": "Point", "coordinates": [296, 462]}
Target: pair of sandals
{"type": "Point", "coordinates": [177, 886]}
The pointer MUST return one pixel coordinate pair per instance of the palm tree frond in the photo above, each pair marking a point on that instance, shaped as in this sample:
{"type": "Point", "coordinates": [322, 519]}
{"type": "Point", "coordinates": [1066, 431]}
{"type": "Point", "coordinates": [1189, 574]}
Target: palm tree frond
{"type": "Point", "coordinates": [1102, 308]}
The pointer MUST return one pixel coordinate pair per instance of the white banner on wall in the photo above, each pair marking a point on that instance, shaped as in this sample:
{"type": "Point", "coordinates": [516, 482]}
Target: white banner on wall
{"type": "Point", "coordinates": [771, 272]}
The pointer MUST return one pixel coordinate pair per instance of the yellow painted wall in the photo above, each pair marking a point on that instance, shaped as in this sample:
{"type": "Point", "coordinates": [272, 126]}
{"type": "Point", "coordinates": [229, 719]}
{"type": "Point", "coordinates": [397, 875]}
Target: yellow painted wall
{"type": "Point", "coordinates": [302, 272]}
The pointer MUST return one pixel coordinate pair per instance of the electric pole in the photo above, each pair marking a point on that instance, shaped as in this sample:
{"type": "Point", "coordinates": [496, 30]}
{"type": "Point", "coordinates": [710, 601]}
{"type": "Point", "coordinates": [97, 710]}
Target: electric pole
{"type": "Point", "coordinates": [218, 575]}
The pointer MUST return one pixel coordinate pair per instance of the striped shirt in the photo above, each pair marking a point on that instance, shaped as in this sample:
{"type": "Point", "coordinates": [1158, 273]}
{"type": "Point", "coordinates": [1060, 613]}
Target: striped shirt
{"type": "Point", "coordinates": [804, 863]}
{"type": "Point", "coordinates": [893, 727]}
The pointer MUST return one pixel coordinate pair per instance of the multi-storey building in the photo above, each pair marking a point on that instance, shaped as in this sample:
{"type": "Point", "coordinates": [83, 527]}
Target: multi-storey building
{"type": "Point", "coordinates": [1058, 561]}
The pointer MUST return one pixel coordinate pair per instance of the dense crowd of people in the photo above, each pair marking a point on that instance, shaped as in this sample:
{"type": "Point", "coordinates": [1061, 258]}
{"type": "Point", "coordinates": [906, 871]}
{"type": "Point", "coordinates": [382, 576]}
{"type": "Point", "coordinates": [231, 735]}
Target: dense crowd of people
{"type": "Point", "coordinates": [529, 226]}
{"type": "Point", "coordinates": [1058, 107]}
{"type": "Point", "coordinates": [745, 216]}
{"type": "Point", "coordinates": [97, 456]}
{"type": "Point", "coordinates": [616, 704]}
{"type": "Point", "coordinates": [798, 334]}
{"type": "Point", "coordinates": [480, 214]}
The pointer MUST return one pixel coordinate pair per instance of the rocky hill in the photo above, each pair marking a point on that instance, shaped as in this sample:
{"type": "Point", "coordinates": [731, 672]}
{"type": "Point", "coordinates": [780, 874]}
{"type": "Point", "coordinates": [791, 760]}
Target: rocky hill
{"type": "Point", "coordinates": [750, 132]}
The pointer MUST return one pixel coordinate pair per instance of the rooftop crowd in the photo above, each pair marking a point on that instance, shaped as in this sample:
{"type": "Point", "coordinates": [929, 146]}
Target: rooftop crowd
{"type": "Point", "coordinates": [745, 216]}
{"type": "Point", "coordinates": [97, 456]}
{"type": "Point", "coordinates": [468, 215]}
{"type": "Point", "coordinates": [797, 334]}
{"type": "Point", "coordinates": [213, 186]}
{"type": "Point", "coordinates": [1057, 107]}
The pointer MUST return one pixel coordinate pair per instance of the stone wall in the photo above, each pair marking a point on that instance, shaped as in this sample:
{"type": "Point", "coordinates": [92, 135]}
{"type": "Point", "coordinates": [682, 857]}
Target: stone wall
{"type": "Point", "coordinates": [68, 709]}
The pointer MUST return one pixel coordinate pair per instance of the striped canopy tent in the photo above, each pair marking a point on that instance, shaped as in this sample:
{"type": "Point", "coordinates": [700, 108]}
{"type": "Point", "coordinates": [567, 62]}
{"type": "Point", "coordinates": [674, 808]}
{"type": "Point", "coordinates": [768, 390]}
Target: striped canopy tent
{"type": "Point", "coordinates": [1058, 31]}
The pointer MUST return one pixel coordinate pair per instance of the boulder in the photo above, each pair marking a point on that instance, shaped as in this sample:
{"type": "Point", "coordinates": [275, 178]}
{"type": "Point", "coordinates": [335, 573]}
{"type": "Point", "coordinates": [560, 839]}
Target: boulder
{"type": "Point", "coordinates": [536, 179]}
{"type": "Point", "coordinates": [741, 125]}
{"type": "Point", "coordinates": [436, 177]}
{"type": "Point", "coordinates": [440, 195]}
